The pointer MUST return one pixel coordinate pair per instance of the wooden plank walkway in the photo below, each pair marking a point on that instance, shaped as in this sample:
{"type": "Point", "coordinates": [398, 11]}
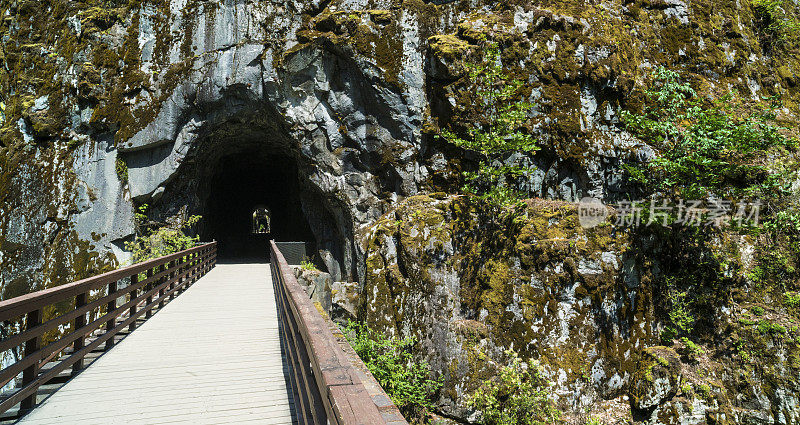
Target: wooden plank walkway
{"type": "Point", "coordinates": [210, 356]}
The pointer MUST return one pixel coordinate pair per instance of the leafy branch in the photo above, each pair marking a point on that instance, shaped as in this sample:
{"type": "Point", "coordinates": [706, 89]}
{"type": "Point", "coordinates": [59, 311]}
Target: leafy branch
{"type": "Point", "coordinates": [718, 149]}
{"type": "Point", "coordinates": [501, 134]}
{"type": "Point", "coordinates": [154, 240]}
{"type": "Point", "coordinates": [391, 362]}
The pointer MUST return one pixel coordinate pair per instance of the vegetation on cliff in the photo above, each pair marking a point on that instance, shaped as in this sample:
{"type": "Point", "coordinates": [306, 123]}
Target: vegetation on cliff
{"type": "Point", "coordinates": [709, 147]}
{"type": "Point", "coordinates": [731, 152]}
{"type": "Point", "coordinates": [501, 134]}
{"type": "Point", "coordinates": [390, 360]}
{"type": "Point", "coordinates": [519, 395]}
{"type": "Point", "coordinates": [155, 240]}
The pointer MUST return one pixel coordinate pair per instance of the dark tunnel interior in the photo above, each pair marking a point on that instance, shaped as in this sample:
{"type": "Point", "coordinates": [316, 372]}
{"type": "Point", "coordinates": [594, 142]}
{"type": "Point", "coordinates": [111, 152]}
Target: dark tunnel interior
{"type": "Point", "coordinates": [240, 184]}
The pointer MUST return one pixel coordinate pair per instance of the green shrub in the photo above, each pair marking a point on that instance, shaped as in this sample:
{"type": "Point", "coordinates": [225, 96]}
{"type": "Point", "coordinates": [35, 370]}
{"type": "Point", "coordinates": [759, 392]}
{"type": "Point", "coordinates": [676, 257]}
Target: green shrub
{"type": "Point", "coordinates": [747, 322]}
{"type": "Point", "coordinates": [692, 350]}
{"type": "Point", "coordinates": [783, 220]}
{"type": "Point", "coordinates": [758, 311]}
{"type": "Point", "coordinates": [769, 328]}
{"type": "Point", "coordinates": [704, 390]}
{"type": "Point", "coordinates": [519, 394]}
{"type": "Point", "coordinates": [594, 420]}
{"type": "Point", "coordinates": [791, 299]}
{"type": "Point", "coordinates": [777, 27]}
{"type": "Point", "coordinates": [774, 264]}
{"type": "Point", "coordinates": [741, 350]}
{"type": "Point", "coordinates": [705, 148]}
{"type": "Point", "coordinates": [307, 264]}
{"type": "Point", "coordinates": [679, 310]}
{"type": "Point", "coordinates": [153, 241]}
{"type": "Point", "coordinates": [500, 135]}
{"type": "Point", "coordinates": [407, 382]}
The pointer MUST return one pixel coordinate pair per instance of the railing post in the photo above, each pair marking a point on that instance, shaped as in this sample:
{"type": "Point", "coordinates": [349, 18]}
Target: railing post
{"type": "Point", "coordinates": [80, 321]}
{"type": "Point", "coordinates": [33, 318]}
{"type": "Point", "coordinates": [161, 268]}
{"type": "Point", "coordinates": [149, 312]}
{"type": "Point", "coordinates": [176, 275]}
{"type": "Point", "coordinates": [173, 279]}
{"type": "Point", "coordinates": [194, 274]}
{"type": "Point", "coordinates": [193, 265]}
{"type": "Point", "coordinates": [189, 267]}
{"type": "Point", "coordinates": [200, 264]}
{"type": "Point", "coordinates": [111, 306]}
{"type": "Point", "coordinates": [211, 257]}
{"type": "Point", "coordinates": [132, 311]}
{"type": "Point", "coordinates": [184, 261]}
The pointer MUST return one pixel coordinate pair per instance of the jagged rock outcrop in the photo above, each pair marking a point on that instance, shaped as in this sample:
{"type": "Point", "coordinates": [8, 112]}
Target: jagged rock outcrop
{"type": "Point", "coordinates": [109, 105]}
{"type": "Point", "coordinates": [586, 303]}
{"type": "Point", "coordinates": [317, 284]}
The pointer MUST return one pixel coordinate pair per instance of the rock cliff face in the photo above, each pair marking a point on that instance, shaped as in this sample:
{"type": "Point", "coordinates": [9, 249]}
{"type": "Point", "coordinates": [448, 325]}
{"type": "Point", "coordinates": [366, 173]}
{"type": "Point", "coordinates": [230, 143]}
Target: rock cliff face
{"type": "Point", "coordinates": [587, 303]}
{"type": "Point", "coordinates": [107, 105]}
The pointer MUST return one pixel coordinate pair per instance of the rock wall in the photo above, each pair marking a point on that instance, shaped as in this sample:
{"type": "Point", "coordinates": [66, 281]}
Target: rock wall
{"type": "Point", "coordinates": [587, 303]}
{"type": "Point", "coordinates": [351, 91]}
{"type": "Point", "coordinates": [469, 287]}
{"type": "Point", "coordinates": [110, 104]}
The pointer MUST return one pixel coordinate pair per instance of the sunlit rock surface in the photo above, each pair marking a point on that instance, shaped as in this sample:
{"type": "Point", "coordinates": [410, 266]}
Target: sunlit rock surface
{"type": "Point", "coordinates": [174, 104]}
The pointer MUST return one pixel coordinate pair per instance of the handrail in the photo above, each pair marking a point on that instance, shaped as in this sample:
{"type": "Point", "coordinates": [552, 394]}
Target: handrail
{"type": "Point", "coordinates": [326, 387]}
{"type": "Point", "coordinates": [164, 278]}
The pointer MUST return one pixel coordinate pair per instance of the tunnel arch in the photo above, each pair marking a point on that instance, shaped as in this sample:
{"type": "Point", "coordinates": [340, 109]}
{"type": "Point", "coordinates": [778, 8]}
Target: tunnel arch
{"type": "Point", "coordinates": [353, 140]}
{"type": "Point", "coordinates": [247, 160]}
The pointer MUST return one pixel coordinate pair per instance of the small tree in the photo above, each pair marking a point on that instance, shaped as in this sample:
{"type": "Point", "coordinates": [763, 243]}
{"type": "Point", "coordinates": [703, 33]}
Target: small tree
{"type": "Point", "coordinates": [518, 395]}
{"type": "Point", "coordinates": [502, 133]}
{"type": "Point", "coordinates": [153, 241]}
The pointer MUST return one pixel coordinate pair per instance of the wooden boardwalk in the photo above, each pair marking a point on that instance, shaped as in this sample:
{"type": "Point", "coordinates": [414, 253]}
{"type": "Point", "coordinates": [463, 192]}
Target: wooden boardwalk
{"type": "Point", "coordinates": [210, 356]}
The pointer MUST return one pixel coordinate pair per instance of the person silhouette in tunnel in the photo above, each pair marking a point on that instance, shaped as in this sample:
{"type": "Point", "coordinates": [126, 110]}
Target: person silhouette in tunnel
{"type": "Point", "coordinates": [261, 221]}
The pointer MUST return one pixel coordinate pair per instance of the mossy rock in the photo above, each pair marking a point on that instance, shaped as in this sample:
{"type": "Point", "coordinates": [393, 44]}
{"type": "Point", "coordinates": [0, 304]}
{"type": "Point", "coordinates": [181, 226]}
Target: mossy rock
{"type": "Point", "coordinates": [447, 52]}
{"type": "Point", "coordinates": [657, 377]}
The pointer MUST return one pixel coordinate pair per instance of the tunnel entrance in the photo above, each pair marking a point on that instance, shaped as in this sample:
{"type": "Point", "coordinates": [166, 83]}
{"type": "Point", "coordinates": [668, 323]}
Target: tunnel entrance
{"type": "Point", "coordinates": [240, 186]}
{"type": "Point", "coordinates": [245, 161]}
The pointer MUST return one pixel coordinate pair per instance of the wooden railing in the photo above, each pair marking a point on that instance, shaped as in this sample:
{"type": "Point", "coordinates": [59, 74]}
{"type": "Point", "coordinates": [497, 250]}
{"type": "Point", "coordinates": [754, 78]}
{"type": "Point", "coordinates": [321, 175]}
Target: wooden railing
{"type": "Point", "coordinates": [94, 306]}
{"type": "Point", "coordinates": [325, 386]}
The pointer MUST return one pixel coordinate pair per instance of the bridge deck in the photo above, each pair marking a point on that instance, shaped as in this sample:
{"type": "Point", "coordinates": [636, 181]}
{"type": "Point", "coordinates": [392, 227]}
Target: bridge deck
{"type": "Point", "coordinates": [210, 356]}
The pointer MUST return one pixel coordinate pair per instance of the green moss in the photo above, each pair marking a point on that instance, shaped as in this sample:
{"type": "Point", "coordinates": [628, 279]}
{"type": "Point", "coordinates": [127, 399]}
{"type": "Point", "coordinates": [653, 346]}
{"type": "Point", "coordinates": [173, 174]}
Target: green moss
{"type": "Point", "coordinates": [704, 390]}
{"type": "Point", "coordinates": [654, 363]}
{"type": "Point", "coordinates": [381, 17]}
{"type": "Point", "coordinates": [376, 35]}
{"type": "Point", "coordinates": [448, 46]}
{"type": "Point", "coordinates": [791, 299]}
{"type": "Point", "coordinates": [499, 256]}
{"type": "Point", "coordinates": [771, 328]}
{"type": "Point", "coordinates": [122, 169]}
